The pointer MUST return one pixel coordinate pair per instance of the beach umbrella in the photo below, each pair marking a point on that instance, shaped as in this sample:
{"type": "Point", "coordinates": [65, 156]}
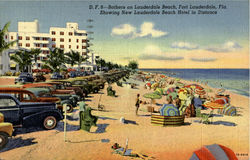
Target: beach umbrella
{"type": "Point", "coordinates": [229, 110]}
{"type": "Point", "coordinates": [179, 84]}
{"type": "Point", "coordinates": [154, 85]}
{"type": "Point", "coordinates": [194, 86]}
{"type": "Point", "coordinates": [169, 110]}
{"type": "Point", "coordinates": [213, 105]}
{"type": "Point", "coordinates": [162, 76]}
{"type": "Point", "coordinates": [199, 91]}
{"type": "Point", "coordinates": [159, 91]}
{"type": "Point", "coordinates": [223, 100]}
{"type": "Point", "coordinates": [182, 93]}
{"type": "Point", "coordinates": [152, 96]}
{"type": "Point", "coordinates": [213, 152]}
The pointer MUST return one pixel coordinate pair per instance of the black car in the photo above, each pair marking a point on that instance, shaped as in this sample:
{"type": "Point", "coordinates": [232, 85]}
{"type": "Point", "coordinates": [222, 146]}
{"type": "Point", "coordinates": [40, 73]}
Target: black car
{"type": "Point", "coordinates": [25, 77]}
{"type": "Point", "coordinates": [20, 114]}
{"type": "Point", "coordinates": [56, 75]}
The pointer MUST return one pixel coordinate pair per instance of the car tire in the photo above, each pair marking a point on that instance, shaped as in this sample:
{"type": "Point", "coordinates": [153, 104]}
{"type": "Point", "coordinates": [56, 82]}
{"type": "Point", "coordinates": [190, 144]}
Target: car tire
{"type": "Point", "coordinates": [3, 139]}
{"type": "Point", "coordinates": [49, 122]}
{"type": "Point", "coordinates": [69, 108]}
{"type": "Point", "coordinates": [96, 90]}
{"type": "Point", "coordinates": [102, 86]}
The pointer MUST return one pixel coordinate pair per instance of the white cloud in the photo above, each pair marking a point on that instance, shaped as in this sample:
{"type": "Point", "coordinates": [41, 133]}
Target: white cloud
{"type": "Point", "coordinates": [129, 31]}
{"type": "Point", "coordinates": [124, 30]}
{"type": "Point", "coordinates": [228, 46]}
{"type": "Point", "coordinates": [184, 45]}
{"type": "Point", "coordinates": [147, 29]}
{"type": "Point", "coordinates": [152, 52]}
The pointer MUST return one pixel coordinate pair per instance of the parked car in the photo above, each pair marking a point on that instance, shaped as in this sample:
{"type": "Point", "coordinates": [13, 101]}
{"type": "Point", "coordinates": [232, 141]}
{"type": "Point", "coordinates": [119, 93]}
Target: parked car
{"type": "Point", "coordinates": [27, 96]}
{"type": "Point", "coordinates": [93, 80]}
{"type": "Point", "coordinates": [21, 114]}
{"type": "Point", "coordinates": [56, 75]}
{"type": "Point", "coordinates": [83, 83]}
{"type": "Point", "coordinates": [24, 77]}
{"type": "Point", "coordinates": [6, 131]}
{"type": "Point", "coordinates": [68, 85]}
{"type": "Point", "coordinates": [39, 78]}
{"type": "Point", "coordinates": [70, 100]}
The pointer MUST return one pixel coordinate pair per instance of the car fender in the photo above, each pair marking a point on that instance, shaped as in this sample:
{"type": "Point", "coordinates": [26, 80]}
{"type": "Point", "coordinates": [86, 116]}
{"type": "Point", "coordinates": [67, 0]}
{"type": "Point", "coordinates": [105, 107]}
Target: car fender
{"type": "Point", "coordinates": [37, 118]}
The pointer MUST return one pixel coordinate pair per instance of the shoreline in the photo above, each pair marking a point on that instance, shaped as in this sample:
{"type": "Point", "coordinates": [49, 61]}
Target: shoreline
{"type": "Point", "coordinates": [173, 143]}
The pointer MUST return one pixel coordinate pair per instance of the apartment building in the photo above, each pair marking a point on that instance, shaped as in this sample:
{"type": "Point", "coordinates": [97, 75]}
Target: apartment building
{"type": "Point", "coordinates": [28, 36]}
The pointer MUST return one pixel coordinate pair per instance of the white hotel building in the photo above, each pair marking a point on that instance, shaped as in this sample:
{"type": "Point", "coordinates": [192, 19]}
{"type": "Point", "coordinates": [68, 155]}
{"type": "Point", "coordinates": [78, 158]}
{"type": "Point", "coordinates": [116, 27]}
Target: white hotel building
{"type": "Point", "coordinates": [28, 36]}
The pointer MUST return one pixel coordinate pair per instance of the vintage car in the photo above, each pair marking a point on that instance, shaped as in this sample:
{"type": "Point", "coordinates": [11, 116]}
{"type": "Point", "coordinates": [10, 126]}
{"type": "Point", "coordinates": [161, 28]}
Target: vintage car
{"type": "Point", "coordinates": [94, 80]}
{"type": "Point", "coordinates": [39, 78]}
{"type": "Point", "coordinates": [83, 84]}
{"type": "Point", "coordinates": [24, 77]}
{"type": "Point", "coordinates": [68, 99]}
{"type": "Point", "coordinates": [23, 114]}
{"type": "Point", "coordinates": [56, 75]}
{"type": "Point", "coordinates": [27, 96]}
{"type": "Point", "coordinates": [6, 131]}
{"type": "Point", "coordinates": [53, 88]}
{"type": "Point", "coordinates": [61, 88]}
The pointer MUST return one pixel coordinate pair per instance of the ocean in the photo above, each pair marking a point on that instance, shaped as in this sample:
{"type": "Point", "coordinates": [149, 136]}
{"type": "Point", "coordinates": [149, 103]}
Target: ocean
{"type": "Point", "coordinates": [234, 80]}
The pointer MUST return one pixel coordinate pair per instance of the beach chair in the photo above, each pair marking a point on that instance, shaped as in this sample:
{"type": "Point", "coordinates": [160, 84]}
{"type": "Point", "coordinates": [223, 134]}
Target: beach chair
{"type": "Point", "coordinates": [205, 118]}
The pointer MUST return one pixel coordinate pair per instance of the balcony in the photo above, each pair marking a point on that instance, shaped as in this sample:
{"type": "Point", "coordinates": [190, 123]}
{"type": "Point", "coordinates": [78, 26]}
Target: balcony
{"type": "Point", "coordinates": [41, 41]}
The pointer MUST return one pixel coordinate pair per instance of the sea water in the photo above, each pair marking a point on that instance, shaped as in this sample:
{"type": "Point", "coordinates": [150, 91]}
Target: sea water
{"type": "Point", "coordinates": [234, 80]}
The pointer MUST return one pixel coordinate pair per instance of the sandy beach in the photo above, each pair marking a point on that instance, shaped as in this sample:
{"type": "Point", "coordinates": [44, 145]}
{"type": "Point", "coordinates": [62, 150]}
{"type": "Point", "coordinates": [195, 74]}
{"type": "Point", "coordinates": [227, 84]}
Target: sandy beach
{"type": "Point", "coordinates": [162, 143]}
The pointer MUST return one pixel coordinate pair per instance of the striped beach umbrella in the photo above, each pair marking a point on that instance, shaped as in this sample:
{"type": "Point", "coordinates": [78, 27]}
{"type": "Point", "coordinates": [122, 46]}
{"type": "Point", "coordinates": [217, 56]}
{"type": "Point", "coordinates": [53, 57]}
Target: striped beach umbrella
{"type": "Point", "coordinates": [213, 105]}
{"type": "Point", "coordinates": [229, 110]}
{"type": "Point", "coordinates": [169, 110]}
{"type": "Point", "coordinates": [214, 152]}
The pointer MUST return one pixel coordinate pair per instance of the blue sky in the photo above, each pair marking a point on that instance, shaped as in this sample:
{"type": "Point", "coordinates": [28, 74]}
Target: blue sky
{"type": "Point", "coordinates": [197, 33]}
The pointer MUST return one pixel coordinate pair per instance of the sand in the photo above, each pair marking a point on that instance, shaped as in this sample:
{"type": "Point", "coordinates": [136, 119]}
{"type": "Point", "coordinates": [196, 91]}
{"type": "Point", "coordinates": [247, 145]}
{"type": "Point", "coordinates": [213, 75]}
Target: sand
{"type": "Point", "coordinates": [163, 143]}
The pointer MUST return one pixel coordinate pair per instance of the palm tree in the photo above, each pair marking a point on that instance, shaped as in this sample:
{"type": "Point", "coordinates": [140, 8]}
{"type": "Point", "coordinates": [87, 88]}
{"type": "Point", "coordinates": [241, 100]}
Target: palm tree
{"type": "Point", "coordinates": [5, 45]}
{"type": "Point", "coordinates": [35, 53]}
{"type": "Point", "coordinates": [72, 58]}
{"type": "Point", "coordinates": [23, 58]}
{"type": "Point", "coordinates": [55, 61]}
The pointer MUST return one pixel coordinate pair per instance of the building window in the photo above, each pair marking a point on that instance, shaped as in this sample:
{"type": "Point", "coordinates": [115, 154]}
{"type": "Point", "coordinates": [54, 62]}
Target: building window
{"type": "Point", "coordinates": [37, 38]}
{"type": "Point", "coordinates": [61, 40]}
{"type": "Point", "coordinates": [38, 64]}
{"type": "Point", "coordinates": [69, 46]}
{"type": "Point", "coordinates": [27, 45]}
{"type": "Point", "coordinates": [38, 58]}
{"type": "Point", "coordinates": [45, 39]}
{"type": "Point", "coordinates": [53, 46]}
{"type": "Point", "coordinates": [6, 37]}
{"type": "Point", "coordinates": [37, 45]}
{"type": "Point", "coordinates": [84, 53]}
{"type": "Point", "coordinates": [61, 33]}
{"type": "Point", "coordinates": [84, 47]}
{"type": "Point", "coordinates": [77, 47]}
{"type": "Point", "coordinates": [20, 44]}
{"type": "Point", "coordinates": [61, 46]}
{"type": "Point", "coordinates": [20, 37]}
{"type": "Point", "coordinates": [53, 33]}
{"type": "Point", "coordinates": [27, 38]}
{"type": "Point", "coordinates": [53, 39]}
{"type": "Point", "coordinates": [70, 33]}
{"type": "Point", "coordinates": [84, 41]}
{"type": "Point", "coordinates": [69, 40]}
{"type": "Point", "coordinates": [77, 40]}
{"type": "Point", "coordinates": [44, 45]}
{"type": "Point", "coordinates": [11, 37]}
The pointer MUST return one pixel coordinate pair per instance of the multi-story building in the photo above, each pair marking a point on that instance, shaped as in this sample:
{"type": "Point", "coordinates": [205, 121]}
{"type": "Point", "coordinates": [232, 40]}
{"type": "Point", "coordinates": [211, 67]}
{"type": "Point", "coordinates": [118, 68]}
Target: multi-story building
{"type": "Point", "coordinates": [28, 36]}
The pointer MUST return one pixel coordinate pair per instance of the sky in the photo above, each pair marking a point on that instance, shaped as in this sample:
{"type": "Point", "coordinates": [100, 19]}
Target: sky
{"type": "Point", "coordinates": [155, 41]}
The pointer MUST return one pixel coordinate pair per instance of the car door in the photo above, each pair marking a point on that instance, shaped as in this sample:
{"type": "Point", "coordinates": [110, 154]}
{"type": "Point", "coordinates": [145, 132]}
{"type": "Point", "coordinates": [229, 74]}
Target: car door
{"type": "Point", "coordinates": [10, 109]}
